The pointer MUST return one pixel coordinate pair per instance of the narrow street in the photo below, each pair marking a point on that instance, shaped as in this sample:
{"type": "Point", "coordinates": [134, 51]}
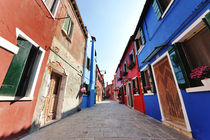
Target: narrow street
{"type": "Point", "coordinates": [107, 121]}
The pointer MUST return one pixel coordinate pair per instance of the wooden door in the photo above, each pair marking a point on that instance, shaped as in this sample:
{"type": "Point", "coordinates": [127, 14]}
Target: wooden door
{"type": "Point", "coordinates": [51, 100]}
{"type": "Point", "coordinates": [168, 93]}
{"type": "Point", "coordinates": [131, 95]}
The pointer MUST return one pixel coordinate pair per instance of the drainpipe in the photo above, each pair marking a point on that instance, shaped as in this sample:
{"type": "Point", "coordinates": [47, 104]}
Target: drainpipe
{"type": "Point", "coordinates": [91, 98]}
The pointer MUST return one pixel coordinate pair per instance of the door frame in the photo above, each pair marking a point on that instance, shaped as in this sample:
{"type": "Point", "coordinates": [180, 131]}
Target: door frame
{"type": "Point", "coordinates": [130, 94]}
{"type": "Point", "coordinates": [188, 127]}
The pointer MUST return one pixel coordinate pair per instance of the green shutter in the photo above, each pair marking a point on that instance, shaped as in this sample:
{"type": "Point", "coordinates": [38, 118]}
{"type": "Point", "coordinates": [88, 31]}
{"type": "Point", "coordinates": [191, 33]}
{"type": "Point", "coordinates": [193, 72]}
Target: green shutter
{"type": "Point", "coordinates": [157, 9]}
{"type": "Point", "coordinates": [23, 84]}
{"type": "Point", "coordinates": [206, 20]}
{"type": "Point", "coordinates": [151, 79]}
{"type": "Point", "coordinates": [66, 24]}
{"type": "Point", "coordinates": [71, 29]}
{"type": "Point", "coordinates": [142, 36]}
{"type": "Point", "coordinates": [180, 66]}
{"type": "Point", "coordinates": [13, 76]}
{"type": "Point", "coordinates": [142, 81]}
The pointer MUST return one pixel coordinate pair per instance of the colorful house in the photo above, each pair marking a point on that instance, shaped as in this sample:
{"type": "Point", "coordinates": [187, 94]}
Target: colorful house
{"type": "Point", "coordinates": [172, 41]}
{"type": "Point", "coordinates": [63, 75]}
{"type": "Point", "coordinates": [27, 29]}
{"type": "Point", "coordinates": [89, 77]}
{"type": "Point", "coordinates": [128, 73]}
{"type": "Point", "coordinates": [99, 84]}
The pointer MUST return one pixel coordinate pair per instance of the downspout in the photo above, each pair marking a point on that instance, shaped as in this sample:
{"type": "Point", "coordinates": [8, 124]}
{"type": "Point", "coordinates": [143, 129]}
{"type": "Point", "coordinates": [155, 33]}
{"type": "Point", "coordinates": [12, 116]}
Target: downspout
{"type": "Point", "coordinates": [92, 86]}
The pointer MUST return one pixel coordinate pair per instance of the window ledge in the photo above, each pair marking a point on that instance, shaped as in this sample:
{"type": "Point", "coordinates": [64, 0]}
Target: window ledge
{"type": "Point", "coordinates": [136, 95]}
{"type": "Point", "coordinates": [149, 94]}
{"type": "Point", "coordinates": [10, 98]}
{"type": "Point", "coordinates": [198, 89]}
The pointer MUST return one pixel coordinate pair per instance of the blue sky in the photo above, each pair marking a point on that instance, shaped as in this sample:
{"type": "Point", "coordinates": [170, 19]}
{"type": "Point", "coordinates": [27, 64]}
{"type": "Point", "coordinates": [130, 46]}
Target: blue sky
{"type": "Point", "coordinates": [112, 22]}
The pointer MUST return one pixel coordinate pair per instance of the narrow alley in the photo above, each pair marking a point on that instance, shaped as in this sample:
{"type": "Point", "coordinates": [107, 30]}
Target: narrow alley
{"type": "Point", "coordinates": [107, 120]}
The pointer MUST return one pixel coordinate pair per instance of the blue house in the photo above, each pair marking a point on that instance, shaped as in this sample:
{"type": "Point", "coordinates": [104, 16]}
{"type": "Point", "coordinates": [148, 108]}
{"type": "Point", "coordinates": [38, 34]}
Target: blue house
{"type": "Point", "coordinates": [172, 40]}
{"type": "Point", "coordinates": [89, 99]}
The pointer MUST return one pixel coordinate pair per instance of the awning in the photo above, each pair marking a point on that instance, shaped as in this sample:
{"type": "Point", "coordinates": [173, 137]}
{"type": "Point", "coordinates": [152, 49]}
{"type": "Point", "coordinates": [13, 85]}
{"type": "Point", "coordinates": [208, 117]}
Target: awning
{"type": "Point", "coordinates": [153, 53]}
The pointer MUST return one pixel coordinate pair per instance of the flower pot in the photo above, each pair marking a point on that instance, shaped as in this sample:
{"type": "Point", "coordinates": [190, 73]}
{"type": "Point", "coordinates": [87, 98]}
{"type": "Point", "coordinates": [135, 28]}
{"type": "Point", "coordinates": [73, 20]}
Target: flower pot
{"type": "Point", "coordinates": [149, 91]}
{"type": "Point", "coordinates": [206, 82]}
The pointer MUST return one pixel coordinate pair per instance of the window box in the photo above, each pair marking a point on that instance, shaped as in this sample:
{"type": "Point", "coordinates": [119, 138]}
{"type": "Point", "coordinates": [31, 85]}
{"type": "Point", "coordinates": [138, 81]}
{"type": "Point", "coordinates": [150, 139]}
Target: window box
{"type": "Point", "coordinates": [131, 65]}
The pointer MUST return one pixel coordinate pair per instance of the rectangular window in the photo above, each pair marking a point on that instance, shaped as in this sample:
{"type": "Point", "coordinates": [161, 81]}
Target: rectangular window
{"type": "Point", "coordinates": [160, 6]}
{"type": "Point", "coordinates": [192, 53]}
{"type": "Point", "coordinates": [68, 27]}
{"type": "Point", "coordinates": [140, 40]}
{"type": "Point", "coordinates": [18, 75]}
{"type": "Point", "coordinates": [131, 57]}
{"type": "Point", "coordinates": [88, 63]}
{"type": "Point", "coordinates": [135, 85]}
{"type": "Point", "coordinates": [52, 5]}
{"type": "Point", "coordinates": [125, 89]}
{"type": "Point", "coordinates": [147, 81]}
{"type": "Point", "coordinates": [125, 67]}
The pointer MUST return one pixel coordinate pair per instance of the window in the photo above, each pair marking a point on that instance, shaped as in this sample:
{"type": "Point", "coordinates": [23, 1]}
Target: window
{"type": "Point", "coordinates": [125, 67]}
{"type": "Point", "coordinates": [195, 52]}
{"type": "Point", "coordinates": [135, 85]}
{"type": "Point", "coordinates": [52, 6]}
{"type": "Point", "coordinates": [160, 7]}
{"type": "Point", "coordinates": [68, 27]}
{"type": "Point", "coordinates": [140, 40]}
{"type": "Point", "coordinates": [20, 71]}
{"type": "Point", "coordinates": [131, 63]}
{"type": "Point", "coordinates": [125, 89]}
{"type": "Point", "coordinates": [192, 51]}
{"type": "Point", "coordinates": [147, 81]}
{"type": "Point", "coordinates": [88, 63]}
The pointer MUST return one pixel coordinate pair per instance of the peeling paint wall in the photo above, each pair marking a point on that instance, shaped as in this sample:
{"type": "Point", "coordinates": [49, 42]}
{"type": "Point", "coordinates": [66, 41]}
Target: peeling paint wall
{"type": "Point", "coordinates": [66, 59]}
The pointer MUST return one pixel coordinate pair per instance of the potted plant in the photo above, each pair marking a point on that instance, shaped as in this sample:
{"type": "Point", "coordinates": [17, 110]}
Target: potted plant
{"type": "Point", "coordinates": [201, 73]}
{"type": "Point", "coordinates": [148, 88]}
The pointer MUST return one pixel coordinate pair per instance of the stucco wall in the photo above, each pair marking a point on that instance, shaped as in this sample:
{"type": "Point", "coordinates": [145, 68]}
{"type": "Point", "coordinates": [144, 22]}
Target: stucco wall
{"type": "Point", "coordinates": [32, 18]}
{"type": "Point", "coordinates": [66, 58]}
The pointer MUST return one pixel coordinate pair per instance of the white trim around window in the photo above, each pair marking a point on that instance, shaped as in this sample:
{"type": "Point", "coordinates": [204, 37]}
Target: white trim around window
{"type": "Point", "coordinates": [35, 73]}
{"type": "Point", "coordinates": [56, 9]}
{"type": "Point", "coordinates": [5, 44]}
{"type": "Point", "coordinates": [146, 94]}
{"type": "Point", "coordinates": [166, 10]}
{"type": "Point", "coordinates": [186, 34]}
{"type": "Point", "coordinates": [191, 29]}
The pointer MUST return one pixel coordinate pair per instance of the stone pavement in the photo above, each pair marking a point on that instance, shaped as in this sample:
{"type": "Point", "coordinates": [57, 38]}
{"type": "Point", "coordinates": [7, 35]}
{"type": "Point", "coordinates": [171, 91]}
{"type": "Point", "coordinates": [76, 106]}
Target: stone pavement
{"type": "Point", "coordinates": [107, 121]}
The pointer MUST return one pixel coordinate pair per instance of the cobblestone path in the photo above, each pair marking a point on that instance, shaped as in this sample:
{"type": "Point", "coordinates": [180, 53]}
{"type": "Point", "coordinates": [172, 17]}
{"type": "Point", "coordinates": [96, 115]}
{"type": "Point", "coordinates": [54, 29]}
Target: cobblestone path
{"type": "Point", "coordinates": [107, 121]}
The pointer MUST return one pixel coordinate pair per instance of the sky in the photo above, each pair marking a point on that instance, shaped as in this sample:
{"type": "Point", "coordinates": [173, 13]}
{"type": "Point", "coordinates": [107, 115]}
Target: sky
{"type": "Point", "coordinates": [112, 22]}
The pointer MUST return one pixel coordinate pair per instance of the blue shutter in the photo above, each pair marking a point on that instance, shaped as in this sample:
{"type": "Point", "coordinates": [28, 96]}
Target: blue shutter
{"type": "Point", "coordinates": [157, 9]}
{"type": "Point", "coordinates": [142, 36]}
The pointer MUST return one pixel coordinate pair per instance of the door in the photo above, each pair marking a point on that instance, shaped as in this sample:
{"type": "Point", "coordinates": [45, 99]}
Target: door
{"type": "Point", "coordinates": [168, 93]}
{"type": "Point", "coordinates": [129, 95]}
{"type": "Point", "coordinates": [51, 100]}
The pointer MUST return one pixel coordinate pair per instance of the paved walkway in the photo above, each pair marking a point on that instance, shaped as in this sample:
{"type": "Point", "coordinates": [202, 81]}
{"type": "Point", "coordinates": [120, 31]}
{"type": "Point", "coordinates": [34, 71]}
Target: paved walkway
{"type": "Point", "coordinates": [107, 121]}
